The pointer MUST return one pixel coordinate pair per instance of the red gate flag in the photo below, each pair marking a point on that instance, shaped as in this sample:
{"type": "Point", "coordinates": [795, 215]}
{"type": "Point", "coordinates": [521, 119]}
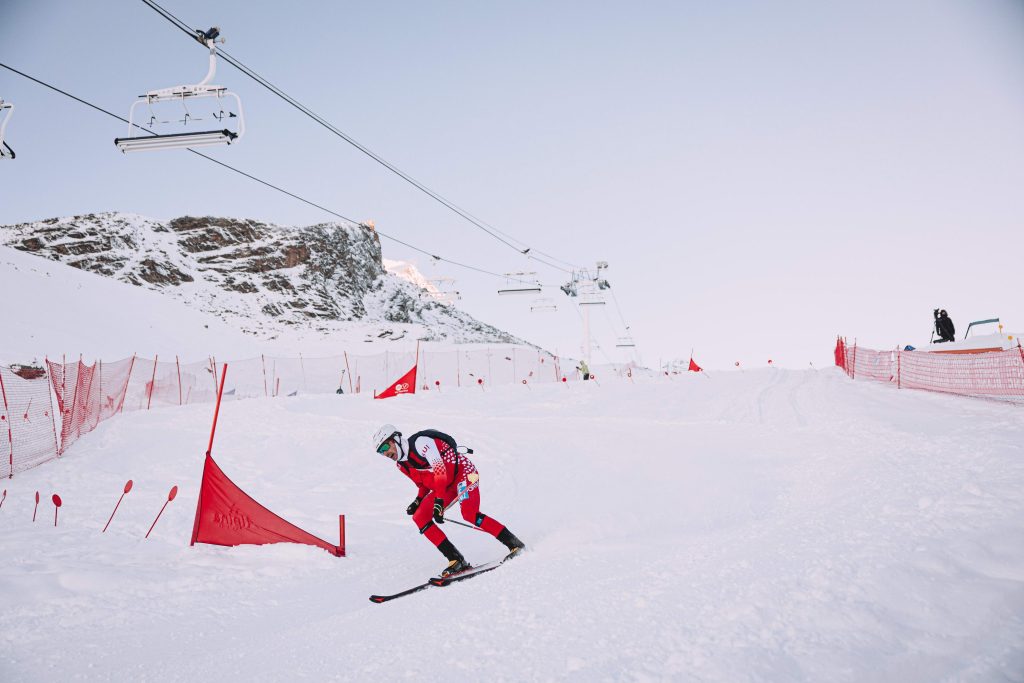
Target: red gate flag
{"type": "Point", "coordinates": [226, 515]}
{"type": "Point", "coordinates": [406, 384]}
{"type": "Point", "coordinates": [693, 366]}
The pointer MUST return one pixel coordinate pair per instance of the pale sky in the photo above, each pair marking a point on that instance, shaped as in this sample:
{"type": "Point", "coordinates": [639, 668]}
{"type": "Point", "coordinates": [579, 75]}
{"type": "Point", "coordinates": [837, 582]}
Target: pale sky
{"type": "Point", "coordinates": [760, 176]}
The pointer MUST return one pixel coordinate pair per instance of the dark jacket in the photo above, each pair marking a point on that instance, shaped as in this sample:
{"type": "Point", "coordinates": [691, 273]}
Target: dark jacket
{"type": "Point", "coordinates": [944, 326]}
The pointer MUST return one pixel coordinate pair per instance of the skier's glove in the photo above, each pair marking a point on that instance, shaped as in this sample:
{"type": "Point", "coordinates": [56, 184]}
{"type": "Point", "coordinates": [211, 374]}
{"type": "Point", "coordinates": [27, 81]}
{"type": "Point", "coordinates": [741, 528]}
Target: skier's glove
{"type": "Point", "coordinates": [438, 511]}
{"type": "Point", "coordinates": [413, 506]}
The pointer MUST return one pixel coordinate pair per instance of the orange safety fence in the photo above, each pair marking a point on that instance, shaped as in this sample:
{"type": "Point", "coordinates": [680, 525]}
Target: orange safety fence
{"type": "Point", "coordinates": [992, 374]}
{"type": "Point", "coordinates": [41, 418]}
{"type": "Point", "coordinates": [27, 426]}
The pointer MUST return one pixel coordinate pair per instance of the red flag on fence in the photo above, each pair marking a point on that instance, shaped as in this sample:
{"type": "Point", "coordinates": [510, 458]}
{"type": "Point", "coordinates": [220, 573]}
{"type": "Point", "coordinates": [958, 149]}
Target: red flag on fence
{"type": "Point", "coordinates": [694, 367]}
{"type": "Point", "coordinates": [406, 384]}
{"type": "Point", "coordinates": [226, 515]}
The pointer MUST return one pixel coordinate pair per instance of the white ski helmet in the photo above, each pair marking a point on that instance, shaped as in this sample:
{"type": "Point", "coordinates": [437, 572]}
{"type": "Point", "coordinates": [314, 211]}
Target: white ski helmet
{"type": "Point", "coordinates": [385, 432]}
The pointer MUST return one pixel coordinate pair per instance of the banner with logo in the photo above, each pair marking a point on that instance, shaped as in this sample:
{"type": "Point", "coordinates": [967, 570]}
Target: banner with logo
{"type": "Point", "coordinates": [406, 384]}
{"type": "Point", "coordinates": [227, 515]}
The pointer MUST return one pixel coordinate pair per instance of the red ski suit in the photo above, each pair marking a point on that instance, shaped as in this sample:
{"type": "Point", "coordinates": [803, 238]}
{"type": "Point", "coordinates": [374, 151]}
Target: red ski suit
{"type": "Point", "coordinates": [439, 472]}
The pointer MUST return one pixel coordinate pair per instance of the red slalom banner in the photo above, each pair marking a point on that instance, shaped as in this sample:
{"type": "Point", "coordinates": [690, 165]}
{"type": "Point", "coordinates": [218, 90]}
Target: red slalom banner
{"type": "Point", "coordinates": [693, 366]}
{"type": "Point", "coordinates": [227, 515]}
{"type": "Point", "coordinates": [406, 384]}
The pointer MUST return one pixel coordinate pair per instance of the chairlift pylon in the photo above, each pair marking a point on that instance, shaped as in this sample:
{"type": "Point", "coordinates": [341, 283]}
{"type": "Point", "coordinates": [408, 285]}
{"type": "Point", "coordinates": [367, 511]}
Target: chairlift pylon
{"type": "Point", "coordinates": [183, 94]}
{"type": "Point", "coordinates": [7, 111]}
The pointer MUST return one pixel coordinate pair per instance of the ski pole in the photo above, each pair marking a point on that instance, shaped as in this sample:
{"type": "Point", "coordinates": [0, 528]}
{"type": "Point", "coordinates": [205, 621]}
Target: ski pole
{"type": "Point", "coordinates": [470, 526]}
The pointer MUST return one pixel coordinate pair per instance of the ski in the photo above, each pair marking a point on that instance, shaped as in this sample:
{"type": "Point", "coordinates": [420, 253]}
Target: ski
{"type": "Point", "coordinates": [438, 581]}
{"type": "Point", "coordinates": [408, 591]}
{"type": "Point", "coordinates": [473, 571]}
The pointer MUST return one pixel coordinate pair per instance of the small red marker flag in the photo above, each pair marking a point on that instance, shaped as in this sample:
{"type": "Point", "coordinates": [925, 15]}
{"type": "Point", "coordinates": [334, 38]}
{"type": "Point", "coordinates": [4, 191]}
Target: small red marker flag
{"type": "Point", "coordinates": [170, 497]}
{"type": "Point", "coordinates": [127, 488]}
{"type": "Point", "coordinates": [56, 506]}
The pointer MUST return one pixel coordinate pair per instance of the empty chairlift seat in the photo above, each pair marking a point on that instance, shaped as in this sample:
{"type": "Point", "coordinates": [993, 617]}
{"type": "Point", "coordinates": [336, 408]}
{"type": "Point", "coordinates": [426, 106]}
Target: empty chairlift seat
{"type": "Point", "coordinates": [188, 100]}
{"type": "Point", "coordinates": [6, 112]}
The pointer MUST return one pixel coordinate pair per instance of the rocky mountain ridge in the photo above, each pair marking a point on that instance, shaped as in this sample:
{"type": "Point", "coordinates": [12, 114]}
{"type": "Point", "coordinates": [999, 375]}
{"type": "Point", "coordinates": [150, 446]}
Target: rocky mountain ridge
{"type": "Point", "coordinates": [260, 276]}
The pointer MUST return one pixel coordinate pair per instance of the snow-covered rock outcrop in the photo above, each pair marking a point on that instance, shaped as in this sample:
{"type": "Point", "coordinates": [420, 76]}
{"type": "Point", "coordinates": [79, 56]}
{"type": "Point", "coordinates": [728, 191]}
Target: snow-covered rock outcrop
{"type": "Point", "coordinates": [259, 276]}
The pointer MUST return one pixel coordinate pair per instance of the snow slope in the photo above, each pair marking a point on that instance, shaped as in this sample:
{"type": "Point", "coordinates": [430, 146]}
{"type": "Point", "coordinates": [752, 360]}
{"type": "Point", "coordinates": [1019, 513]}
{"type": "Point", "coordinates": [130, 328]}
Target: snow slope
{"type": "Point", "coordinates": [768, 525]}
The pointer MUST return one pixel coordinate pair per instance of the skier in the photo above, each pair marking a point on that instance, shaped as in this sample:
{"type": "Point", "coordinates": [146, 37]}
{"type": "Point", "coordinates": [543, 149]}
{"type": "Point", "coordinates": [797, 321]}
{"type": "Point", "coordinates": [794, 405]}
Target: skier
{"type": "Point", "coordinates": [944, 326]}
{"type": "Point", "coordinates": [431, 460]}
{"type": "Point", "coordinates": [582, 367]}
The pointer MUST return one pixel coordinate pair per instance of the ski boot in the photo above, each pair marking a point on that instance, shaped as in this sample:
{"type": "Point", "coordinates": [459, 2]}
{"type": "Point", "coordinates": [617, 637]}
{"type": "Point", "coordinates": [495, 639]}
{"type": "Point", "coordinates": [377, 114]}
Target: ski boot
{"type": "Point", "coordinates": [456, 562]}
{"type": "Point", "coordinates": [511, 542]}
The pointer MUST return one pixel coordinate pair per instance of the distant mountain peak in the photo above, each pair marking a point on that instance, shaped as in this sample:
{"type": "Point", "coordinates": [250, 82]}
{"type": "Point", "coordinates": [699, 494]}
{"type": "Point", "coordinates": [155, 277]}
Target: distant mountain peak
{"type": "Point", "coordinates": [261, 276]}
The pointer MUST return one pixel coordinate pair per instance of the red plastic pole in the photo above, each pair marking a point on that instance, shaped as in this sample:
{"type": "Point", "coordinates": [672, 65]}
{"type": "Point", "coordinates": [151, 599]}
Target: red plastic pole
{"type": "Point", "coordinates": [341, 535]}
{"type": "Point", "coordinates": [127, 488]}
{"type": "Point", "coordinates": [170, 497]}
{"type": "Point", "coordinates": [349, 371]}
{"type": "Point", "coordinates": [213, 372]}
{"type": "Point", "coordinates": [53, 419]}
{"type": "Point", "coordinates": [209, 450]}
{"type": "Point", "coordinates": [6, 418]}
{"type": "Point", "coordinates": [124, 393]}
{"type": "Point", "coordinates": [177, 364]}
{"type": "Point", "coordinates": [216, 411]}
{"type": "Point", "coordinates": [3, 498]}
{"type": "Point", "coordinates": [56, 506]}
{"type": "Point", "coordinates": [853, 368]}
{"type": "Point", "coordinates": [152, 383]}
{"type": "Point", "coordinates": [36, 508]}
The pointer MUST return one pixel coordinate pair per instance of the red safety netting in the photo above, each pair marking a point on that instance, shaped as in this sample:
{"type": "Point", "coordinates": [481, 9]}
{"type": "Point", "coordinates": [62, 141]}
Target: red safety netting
{"type": "Point", "coordinates": [993, 374]}
{"type": "Point", "coordinates": [38, 425]}
{"type": "Point", "coordinates": [27, 433]}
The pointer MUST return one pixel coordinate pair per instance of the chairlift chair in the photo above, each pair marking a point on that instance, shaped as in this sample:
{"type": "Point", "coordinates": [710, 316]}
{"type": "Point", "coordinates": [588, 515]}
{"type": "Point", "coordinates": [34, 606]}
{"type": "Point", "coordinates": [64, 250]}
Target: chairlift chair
{"type": "Point", "coordinates": [517, 285]}
{"type": "Point", "coordinates": [7, 111]}
{"type": "Point", "coordinates": [445, 292]}
{"type": "Point", "coordinates": [625, 343]}
{"type": "Point", "coordinates": [543, 306]}
{"type": "Point", "coordinates": [136, 142]}
{"type": "Point", "coordinates": [591, 299]}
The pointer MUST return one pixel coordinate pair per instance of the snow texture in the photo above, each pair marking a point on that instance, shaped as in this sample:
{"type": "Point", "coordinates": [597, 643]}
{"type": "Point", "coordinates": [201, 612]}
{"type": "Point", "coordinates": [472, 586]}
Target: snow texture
{"type": "Point", "coordinates": [745, 526]}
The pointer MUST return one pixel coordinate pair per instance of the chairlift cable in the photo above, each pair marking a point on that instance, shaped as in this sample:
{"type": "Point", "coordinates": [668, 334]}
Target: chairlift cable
{"type": "Point", "coordinates": [347, 138]}
{"type": "Point", "coordinates": [252, 177]}
{"type": "Point", "coordinates": [619, 309]}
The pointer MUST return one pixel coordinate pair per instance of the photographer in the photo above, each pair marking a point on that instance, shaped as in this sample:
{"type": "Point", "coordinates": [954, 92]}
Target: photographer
{"type": "Point", "coordinates": [943, 327]}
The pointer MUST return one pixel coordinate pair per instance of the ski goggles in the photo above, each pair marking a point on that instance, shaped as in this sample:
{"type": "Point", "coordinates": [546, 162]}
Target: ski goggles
{"type": "Point", "coordinates": [383, 448]}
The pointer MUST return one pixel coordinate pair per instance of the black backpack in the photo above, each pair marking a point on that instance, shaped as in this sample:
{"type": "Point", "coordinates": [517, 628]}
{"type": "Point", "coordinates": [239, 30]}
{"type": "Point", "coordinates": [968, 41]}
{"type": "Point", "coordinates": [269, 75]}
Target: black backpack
{"type": "Point", "coordinates": [415, 458]}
